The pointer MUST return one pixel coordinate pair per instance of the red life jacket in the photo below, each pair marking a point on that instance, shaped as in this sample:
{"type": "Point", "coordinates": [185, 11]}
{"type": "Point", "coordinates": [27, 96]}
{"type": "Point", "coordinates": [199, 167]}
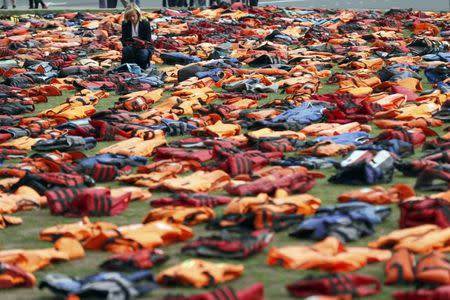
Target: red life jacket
{"type": "Point", "coordinates": [98, 202]}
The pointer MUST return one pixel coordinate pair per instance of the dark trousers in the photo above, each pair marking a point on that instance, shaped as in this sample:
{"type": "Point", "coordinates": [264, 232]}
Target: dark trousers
{"type": "Point", "coordinates": [174, 3]}
{"type": "Point", "coordinates": [35, 3]}
{"type": "Point", "coordinates": [141, 57]}
{"type": "Point", "coordinates": [111, 3]}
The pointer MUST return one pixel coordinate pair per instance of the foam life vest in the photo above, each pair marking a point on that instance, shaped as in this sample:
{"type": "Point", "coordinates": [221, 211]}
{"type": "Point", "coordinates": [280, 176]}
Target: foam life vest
{"type": "Point", "coordinates": [199, 273]}
{"type": "Point", "coordinates": [12, 277]}
{"type": "Point", "coordinates": [137, 260]}
{"type": "Point", "coordinates": [424, 211]}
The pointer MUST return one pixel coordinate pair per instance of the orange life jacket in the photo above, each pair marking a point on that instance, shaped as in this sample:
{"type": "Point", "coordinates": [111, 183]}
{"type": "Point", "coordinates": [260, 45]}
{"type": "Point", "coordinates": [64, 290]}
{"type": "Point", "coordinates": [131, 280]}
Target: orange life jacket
{"type": "Point", "coordinates": [379, 195]}
{"type": "Point", "coordinates": [138, 236]}
{"type": "Point", "coordinates": [219, 129]}
{"type": "Point", "coordinates": [419, 239]}
{"type": "Point", "coordinates": [6, 220]}
{"type": "Point", "coordinates": [199, 181]}
{"type": "Point", "coordinates": [33, 260]}
{"type": "Point", "coordinates": [400, 268]}
{"type": "Point", "coordinates": [80, 231]}
{"type": "Point", "coordinates": [199, 273]}
{"type": "Point", "coordinates": [328, 255]}
{"type": "Point", "coordinates": [180, 215]}
{"type": "Point", "coordinates": [136, 146]}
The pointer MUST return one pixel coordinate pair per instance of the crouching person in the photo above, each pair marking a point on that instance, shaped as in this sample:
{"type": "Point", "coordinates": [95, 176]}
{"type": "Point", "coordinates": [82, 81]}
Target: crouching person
{"type": "Point", "coordinates": [136, 38]}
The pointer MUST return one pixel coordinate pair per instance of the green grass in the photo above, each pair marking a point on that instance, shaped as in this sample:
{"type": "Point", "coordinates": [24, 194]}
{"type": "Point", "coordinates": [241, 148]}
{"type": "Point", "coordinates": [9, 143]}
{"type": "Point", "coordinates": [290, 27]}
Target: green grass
{"type": "Point", "coordinates": [25, 236]}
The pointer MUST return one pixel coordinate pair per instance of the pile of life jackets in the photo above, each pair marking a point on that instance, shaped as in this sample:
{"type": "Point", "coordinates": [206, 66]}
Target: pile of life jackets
{"type": "Point", "coordinates": [260, 141]}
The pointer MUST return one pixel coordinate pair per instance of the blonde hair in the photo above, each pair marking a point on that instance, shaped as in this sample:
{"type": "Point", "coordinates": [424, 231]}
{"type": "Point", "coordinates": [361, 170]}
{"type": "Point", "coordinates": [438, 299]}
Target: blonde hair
{"type": "Point", "coordinates": [132, 8]}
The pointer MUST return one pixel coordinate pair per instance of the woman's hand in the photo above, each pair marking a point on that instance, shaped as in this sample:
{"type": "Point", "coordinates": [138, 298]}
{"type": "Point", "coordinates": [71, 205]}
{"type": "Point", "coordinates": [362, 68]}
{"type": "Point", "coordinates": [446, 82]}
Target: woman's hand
{"type": "Point", "coordinates": [140, 44]}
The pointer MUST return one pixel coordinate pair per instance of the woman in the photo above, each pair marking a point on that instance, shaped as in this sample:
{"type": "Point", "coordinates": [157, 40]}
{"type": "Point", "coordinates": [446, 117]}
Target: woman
{"type": "Point", "coordinates": [136, 38]}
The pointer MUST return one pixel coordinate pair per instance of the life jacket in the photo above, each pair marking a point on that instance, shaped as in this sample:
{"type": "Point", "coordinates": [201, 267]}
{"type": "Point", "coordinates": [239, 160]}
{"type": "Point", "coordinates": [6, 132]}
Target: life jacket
{"type": "Point", "coordinates": [44, 182]}
{"type": "Point", "coordinates": [400, 268]}
{"type": "Point", "coordinates": [6, 220]}
{"type": "Point", "coordinates": [200, 155]}
{"type": "Point", "coordinates": [106, 285]}
{"type": "Point", "coordinates": [71, 246]}
{"type": "Point", "coordinates": [439, 293]}
{"type": "Point", "coordinates": [24, 198]}
{"type": "Point", "coordinates": [315, 129]}
{"type": "Point", "coordinates": [136, 103]}
{"type": "Point", "coordinates": [328, 255]}
{"type": "Point", "coordinates": [119, 162]}
{"type": "Point", "coordinates": [65, 143]}
{"type": "Point", "coordinates": [98, 202]}
{"type": "Point", "coordinates": [433, 268]}
{"type": "Point", "coordinates": [269, 133]}
{"type": "Point", "coordinates": [300, 183]}
{"type": "Point", "coordinates": [180, 215]}
{"type": "Point", "coordinates": [414, 167]}
{"type": "Point", "coordinates": [327, 148]}
{"type": "Point", "coordinates": [150, 97]}
{"type": "Point", "coordinates": [392, 101]}
{"type": "Point", "coordinates": [265, 217]}
{"type": "Point", "coordinates": [344, 128]}
{"type": "Point", "coordinates": [379, 195]}
{"type": "Point", "coordinates": [138, 260]}
{"type": "Point", "coordinates": [198, 181]}
{"type": "Point", "coordinates": [310, 162]}
{"type": "Point", "coordinates": [399, 148]}
{"type": "Point", "coordinates": [58, 200]}
{"type": "Point", "coordinates": [199, 273]}
{"type": "Point", "coordinates": [347, 222]}
{"type": "Point", "coordinates": [337, 116]}
{"type": "Point", "coordinates": [428, 176]}
{"type": "Point", "coordinates": [441, 144]}
{"type": "Point", "coordinates": [417, 123]}
{"type": "Point", "coordinates": [191, 200]}
{"type": "Point", "coordinates": [440, 157]}
{"type": "Point", "coordinates": [136, 146]}
{"type": "Point", "coordinates": [80, 231]}
{"type": "Point", "coordinates": [226, 245]}
{"type": "Point", "coordinates": [299, 204]}
{"type": "Point", "coordinates": [275, 145]}
{"type": "Point", "coordinates": [356, 285]}
{"type": "Point", "coordinates": [103, 173]}
{"type": "Point", "coordinates": [69, 111]}
{"type": "Point", "coordinates": [410, 94]}
{"type": "Point", "coordinates": [415, 212]}
{"type": "Point", "coordinates": [208, 143]}
{"type": "Point", "coordinates": [13, 277]}
{"type": "Point", "coordinates": [152, 180]}
{"type": "Point", "coordinates": [419, 239]}
{"type": "Point", "coordinates": [33, 260]}
{"type": "Point", "coordinates": [253, 292]}
{"type": "Point", "coordinates": [206, 95]}
{"type": "Point", "coordinates": [365, 167]}
{"type": "Point", "coordinates": [219, 129]}
{"type": "Point", "coordinates": [21, 143]}
{"type": "Point", "coordinates": [41, 124]}
{"type": "Point", "coordinates": [138, 236]}
{"type": "Point", "coordinates": [107, 132]}
{"type": "Point", "coordinates": [236, 162]}
{"type": "Point", "coordinates": [416, 137]}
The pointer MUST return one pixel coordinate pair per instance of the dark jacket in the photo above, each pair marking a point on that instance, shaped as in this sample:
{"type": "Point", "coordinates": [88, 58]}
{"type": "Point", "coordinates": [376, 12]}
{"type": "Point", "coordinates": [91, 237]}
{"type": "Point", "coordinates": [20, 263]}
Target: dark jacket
{"type": "Point", "coordinates": [145, 32]}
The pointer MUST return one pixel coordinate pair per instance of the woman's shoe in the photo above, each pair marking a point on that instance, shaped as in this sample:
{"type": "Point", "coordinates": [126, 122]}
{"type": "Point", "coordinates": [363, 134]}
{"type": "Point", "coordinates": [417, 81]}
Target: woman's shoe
{"type": "Point", "coordinates": [3, 7]}
{"type": "Point", "coordinates": [14, 6]}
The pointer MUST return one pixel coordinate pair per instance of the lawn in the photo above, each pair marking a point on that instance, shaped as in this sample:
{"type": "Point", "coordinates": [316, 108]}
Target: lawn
{"type": "Point", "coordinates": [274, 278]}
